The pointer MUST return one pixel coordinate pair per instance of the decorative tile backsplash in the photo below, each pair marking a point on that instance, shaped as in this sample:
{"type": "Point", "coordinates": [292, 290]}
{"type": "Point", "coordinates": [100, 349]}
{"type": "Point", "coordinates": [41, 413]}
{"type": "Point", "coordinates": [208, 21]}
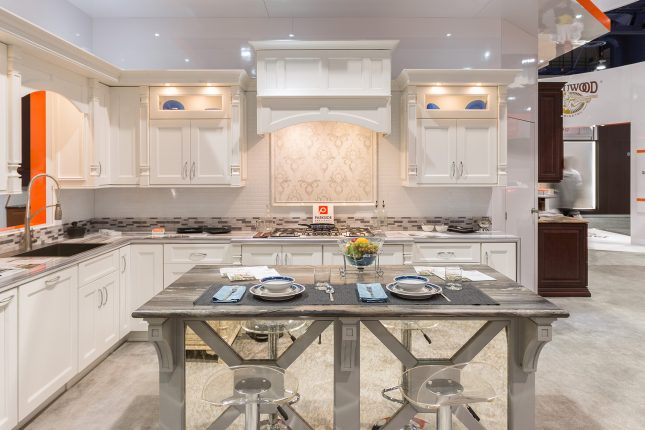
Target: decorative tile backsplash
{"type": "Point", "coordinates": [328, 161]}
{"type": "Point", "coordinates": [11, 241]}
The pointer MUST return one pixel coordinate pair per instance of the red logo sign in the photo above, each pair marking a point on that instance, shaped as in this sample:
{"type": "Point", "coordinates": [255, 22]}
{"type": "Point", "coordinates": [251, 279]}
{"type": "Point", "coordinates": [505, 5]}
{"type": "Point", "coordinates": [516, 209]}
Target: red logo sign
{"type": "Point", "coordinates": [322, 210]}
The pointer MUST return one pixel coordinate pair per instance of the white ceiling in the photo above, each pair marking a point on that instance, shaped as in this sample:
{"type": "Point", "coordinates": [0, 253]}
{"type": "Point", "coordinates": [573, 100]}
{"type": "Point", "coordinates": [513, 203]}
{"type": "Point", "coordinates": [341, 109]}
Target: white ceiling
{"type": "Point", "coordinates": [281, 8]}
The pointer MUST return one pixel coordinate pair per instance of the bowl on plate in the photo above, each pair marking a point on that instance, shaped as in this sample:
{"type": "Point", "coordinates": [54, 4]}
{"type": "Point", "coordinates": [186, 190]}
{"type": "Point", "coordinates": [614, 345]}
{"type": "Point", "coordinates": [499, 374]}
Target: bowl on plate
{"type": "Point", "coordinates": [427, 227]}
{"type": "Point", "coordinates": [411, 283]}
{"type": "Point", "coordinates": [441, 228]}
{"type": "Point", "coordinates": [277, 284]}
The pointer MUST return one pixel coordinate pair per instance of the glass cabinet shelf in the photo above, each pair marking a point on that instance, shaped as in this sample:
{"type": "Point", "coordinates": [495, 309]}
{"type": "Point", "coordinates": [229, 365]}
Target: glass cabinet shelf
{"type": "Point", "coordinates": [170, 102]}
{"type": "Point", "coordinates": [457, 102]}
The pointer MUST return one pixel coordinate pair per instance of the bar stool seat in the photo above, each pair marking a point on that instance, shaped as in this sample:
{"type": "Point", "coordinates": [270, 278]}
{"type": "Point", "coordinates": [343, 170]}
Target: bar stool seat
{"type": "Point", "coordinates": [432, 390]}
{"type": "Point", "coordinates": [251, 387]}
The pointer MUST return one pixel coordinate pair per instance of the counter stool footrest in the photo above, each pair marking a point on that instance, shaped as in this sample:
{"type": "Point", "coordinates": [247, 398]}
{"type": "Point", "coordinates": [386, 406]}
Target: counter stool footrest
{"type": "Point", "coordinates": [401, 417]}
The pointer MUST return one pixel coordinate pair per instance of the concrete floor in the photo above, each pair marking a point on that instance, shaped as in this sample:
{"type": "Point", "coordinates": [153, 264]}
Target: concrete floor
{"type": "Point", "coordinates": [577, 388]}
{"type": "Point", "coordinates": [615, 223]}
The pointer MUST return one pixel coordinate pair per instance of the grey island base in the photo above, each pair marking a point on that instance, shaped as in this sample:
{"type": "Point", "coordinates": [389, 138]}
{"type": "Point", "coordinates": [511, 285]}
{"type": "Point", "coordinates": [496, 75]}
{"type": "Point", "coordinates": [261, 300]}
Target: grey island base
{"type": "Point", "coordinates": [525, 316]}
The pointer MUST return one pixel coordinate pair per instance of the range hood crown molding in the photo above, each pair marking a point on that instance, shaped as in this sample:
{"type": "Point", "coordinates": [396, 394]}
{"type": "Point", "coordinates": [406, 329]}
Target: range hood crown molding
{"type": "Point", "coordinates": [307, 81]}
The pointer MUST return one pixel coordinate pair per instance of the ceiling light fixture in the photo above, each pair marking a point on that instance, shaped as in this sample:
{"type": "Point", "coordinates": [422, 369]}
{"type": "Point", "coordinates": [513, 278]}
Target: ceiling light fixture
{"type": "Point", "coordinates": [511, 98]}
{"type": "Point", "coordinates": [602, 65]}
{"type": "Point", "coordinates": [245, 53]}
{"type": "Point", "coordinates": [487, 55]}
{"type": "Point", "coordinates": [448, 34]}
{"type": "Point", "coordinates": [528, 60]}
{"type": "Point", "coordinates": [578, 16]}
{"type": "Point", "coordinates": [528, 109]}
{"type": "Point", "coordinates": [292, 33]}
{"type": "Point", "coordinates": [157, 34]}
{"type": "Point", "coordinates": [467, 68]}
{"type": "Point", "coordinates": [187, 60]}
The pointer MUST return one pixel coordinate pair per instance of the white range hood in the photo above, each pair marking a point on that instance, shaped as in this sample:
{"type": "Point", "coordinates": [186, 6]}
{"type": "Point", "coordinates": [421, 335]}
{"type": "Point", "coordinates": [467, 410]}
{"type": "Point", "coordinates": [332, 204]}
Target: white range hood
{"type": "Point", "coordinates": [303, 81]}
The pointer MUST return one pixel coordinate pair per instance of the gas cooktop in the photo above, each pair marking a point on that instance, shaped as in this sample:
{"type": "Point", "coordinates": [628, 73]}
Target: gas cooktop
{"type": "Point", "coordinates": [308, 232]}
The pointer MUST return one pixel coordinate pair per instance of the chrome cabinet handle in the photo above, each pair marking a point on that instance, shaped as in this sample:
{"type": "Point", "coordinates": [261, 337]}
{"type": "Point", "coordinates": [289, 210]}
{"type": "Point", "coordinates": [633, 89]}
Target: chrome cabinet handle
{"type": "Point", "coordinates": [447, 254]}
{"type": "Point", "coordinates": [486, 257]}
{"type": "Point", "coordinates": [276, 258]}
{"type": "Point", "coordinates": [285, 259]}
{"type": "Point", "coordinates": [184, 172]}
{"type": "Point", "coordinates": [192, 171]}
{"type": "Point", "coordinates": [52, 281]}
{"type": "Point", "coordinates": [101, 302]}
{"type": "Point", "coordinates": [198, 255]}
{"type": "Point", "coordinates": [124, 263]}
{"type": "Point", "coordinates": [100, 168]}
{"type": "Point", "coordinates": [452, 170]}
{"type": "Point", "coordinates": [461, 169]}
{"type": "Point", "coordinates": [106, 295]}
{"type": "Point", "coordinates": [5, 302]}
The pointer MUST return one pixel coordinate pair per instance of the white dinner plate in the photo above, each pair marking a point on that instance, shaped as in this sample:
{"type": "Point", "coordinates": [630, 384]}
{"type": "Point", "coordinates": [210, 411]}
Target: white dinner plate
{"type": "Point", "coordinates": [262, 293]}
{"type": "Point", "coordinates": [430, 290]}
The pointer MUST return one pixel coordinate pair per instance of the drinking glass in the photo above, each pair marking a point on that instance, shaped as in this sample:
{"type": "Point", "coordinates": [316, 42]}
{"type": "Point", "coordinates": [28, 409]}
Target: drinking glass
{"type": "Point", "coordinates": [453, 278]}
{"type": "Point", "coordinates": [322, 276]}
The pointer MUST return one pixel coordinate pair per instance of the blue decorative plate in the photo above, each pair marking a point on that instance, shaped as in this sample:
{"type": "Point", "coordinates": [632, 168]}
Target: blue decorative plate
{"type": "Point", "coordinates": [432, 106]}
{"type": "Point", "coordinates": [476, 104]}
{"type": "Point", "coordinates": [172, 105]}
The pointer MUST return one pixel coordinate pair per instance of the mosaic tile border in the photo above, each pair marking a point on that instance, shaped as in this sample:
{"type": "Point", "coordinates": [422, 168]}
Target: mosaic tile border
{"type": "Point", "coordinates": [10, 242]}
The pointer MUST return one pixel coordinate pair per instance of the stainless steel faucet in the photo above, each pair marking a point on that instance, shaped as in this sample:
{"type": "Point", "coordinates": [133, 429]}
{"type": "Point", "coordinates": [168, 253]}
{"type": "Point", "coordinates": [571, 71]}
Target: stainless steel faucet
{"type": "Point", "coordinates": [58, 212]}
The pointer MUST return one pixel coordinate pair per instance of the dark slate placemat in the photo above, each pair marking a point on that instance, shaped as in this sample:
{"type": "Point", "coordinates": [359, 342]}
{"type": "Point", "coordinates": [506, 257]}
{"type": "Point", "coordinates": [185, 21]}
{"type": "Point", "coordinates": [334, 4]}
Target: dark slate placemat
{"type": "Point", "coordinates": [347, 295]}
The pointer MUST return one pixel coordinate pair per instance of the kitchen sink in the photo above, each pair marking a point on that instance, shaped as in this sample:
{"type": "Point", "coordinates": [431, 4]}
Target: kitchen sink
{"type": "Point", "coordinates": [60, 250]}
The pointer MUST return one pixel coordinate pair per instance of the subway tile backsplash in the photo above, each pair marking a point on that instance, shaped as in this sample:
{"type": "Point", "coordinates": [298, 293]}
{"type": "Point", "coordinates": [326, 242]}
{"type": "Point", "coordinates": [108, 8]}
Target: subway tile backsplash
{"type": "Point", "coordinates": [10, 242]}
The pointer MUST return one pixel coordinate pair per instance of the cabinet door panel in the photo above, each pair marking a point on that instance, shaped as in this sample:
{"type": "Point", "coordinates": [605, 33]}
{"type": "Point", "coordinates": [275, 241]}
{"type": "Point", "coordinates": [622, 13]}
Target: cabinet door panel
{"type": "Point", "coordinates": [124, 127]}
{"type": "Point", "coordinates": [501, 257]}
{"type": "Point", "coordinates": [447, 253]}
{"type": "Point", "coordinates": [261, 255]}
{"type": "Point", "coordinates": [8, 359]}
{"type": "Point", "coordinates": [67, 130]}
{"type": "Point", "coordinates": [47, 337]}
{"type": "Point", "coordinates": [89, 301]}
{"type": "Point", "coordinates": [391, 254]}
{"type": "Point", "coordinates": [210, 152]}
{"type": "Point", "coordinates": [550, 139]}
{"type": "Point", "coordinates": [477, 151]}
{"type": "Point", "coordinates": [302, 255]}
{"type": "Point", "coordinates": [107, 323]}
{"type": "Point", "coordinates": [437, 151]}
{"type": "Point", "coordinates": [170, 152]}
{"type": "Point", "coordinates": [146, 278]}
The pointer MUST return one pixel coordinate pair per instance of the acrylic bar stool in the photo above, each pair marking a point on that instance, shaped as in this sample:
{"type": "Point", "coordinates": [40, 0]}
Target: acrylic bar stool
{"type": "Point", "coordinates": [406, 329]}
{"type": "Point", "coordinates": [450, 387]}
{"type": "Point", "coordinates": [272, 330]}
{"type": "Point", "coordinates": [251, 387]}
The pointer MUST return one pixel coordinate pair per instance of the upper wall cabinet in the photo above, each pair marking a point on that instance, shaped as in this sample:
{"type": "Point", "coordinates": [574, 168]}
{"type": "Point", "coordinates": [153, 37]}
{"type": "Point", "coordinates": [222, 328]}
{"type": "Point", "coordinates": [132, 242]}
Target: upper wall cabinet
{"type": "Point", "coordinates": [124, 135]}
{"type": "Point", "coordinates": [4, 134]}
{"type": "Point", "coordinates": [550, 128]}
{"type": "Point", "coordinates": [304, 81]}
{"type": "Point", "coordinates": [453, 127]}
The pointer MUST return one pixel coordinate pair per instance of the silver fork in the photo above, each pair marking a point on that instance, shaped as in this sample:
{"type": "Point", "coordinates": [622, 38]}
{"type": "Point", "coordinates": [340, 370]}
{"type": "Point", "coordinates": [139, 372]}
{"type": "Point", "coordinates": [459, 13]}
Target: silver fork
{"type": "Point", "coordinates": [330, 290]}
{"type": "Point", "coordinates": [369, 290]}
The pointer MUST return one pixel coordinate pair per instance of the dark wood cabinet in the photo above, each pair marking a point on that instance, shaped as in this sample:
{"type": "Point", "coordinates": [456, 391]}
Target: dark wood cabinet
{"type": "Point", "coordinates": [562, 259]}
{"type": "Point", "coordinates": [550, 142]}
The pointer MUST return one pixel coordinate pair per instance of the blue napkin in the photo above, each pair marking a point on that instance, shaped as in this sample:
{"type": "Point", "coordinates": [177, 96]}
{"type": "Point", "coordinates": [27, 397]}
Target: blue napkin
{"type": "Point", "coordinates": [377, 296]}
{"type": "Point", "coordinates": [229, 294]}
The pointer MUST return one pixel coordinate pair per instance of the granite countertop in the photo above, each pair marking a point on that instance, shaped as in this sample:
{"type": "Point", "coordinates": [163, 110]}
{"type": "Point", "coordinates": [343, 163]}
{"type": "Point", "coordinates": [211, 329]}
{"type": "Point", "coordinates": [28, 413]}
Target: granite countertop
{"type": "Point", "coordinates": [562, 219]}
{"type": "Point", "coordinates": [41, 266]}
{"type": "Point", "coordinates": [176, 301]}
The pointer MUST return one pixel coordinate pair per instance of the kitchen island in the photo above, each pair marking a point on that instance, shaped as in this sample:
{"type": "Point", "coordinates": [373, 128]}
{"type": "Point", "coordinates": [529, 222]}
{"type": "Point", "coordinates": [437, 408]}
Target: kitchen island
{"type": "Point", "coordinates": [525, 316]}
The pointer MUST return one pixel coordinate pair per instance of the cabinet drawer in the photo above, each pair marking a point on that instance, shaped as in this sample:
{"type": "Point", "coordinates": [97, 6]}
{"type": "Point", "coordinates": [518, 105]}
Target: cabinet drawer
{"type": "Point", "coordinates": [198, 253]}
{"type": "Point", "coordinates": [172, 272]}
{"type": "Point", "coordinates": [447, 253]}
{"type": "Point", "coordinates": [96, 268]}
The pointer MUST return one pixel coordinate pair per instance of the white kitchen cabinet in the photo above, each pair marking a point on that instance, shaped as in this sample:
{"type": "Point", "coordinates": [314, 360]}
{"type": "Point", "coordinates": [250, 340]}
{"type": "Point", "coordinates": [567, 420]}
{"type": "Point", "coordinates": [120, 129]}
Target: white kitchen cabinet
{"type": "Point", "coordinates": [461, 151]}
{"type": "Point", "coordinates": [146, 278]}
{"type": "Point", "coordinates": [4, 120]}
{"type": "Point", "coordinates": [270, 255]}
{"type": "Point", "coordinates": [501, 257]}
{"type": "Point", "coordinates": [100, 149]}
{"type": "Point", "coordinates": [209, 151]}
{"type": "Point", "coordinates": [197, 102]}
{"type": "Point", "coordinates": [180, 258]}
{"type": "Point", "coordinates": [172, 272]}
{"type": "Point", "coordinates": [8, 359]}
{"type": "Point", "coordinates": [47, 337]}
{"type": "Point", "coordinates": [98, 318]}
{"type": "Point", "coordinates": [476, 158]}
{"type": "Point", "coordinates": [170, 152]}
{"type": "Point", "coordinates": [446, 253]}
{"type": "Point", "coordinates": [190, 152]}
{"type": "Point", "coordinates": [391, 254]}
{"type": "Point", "coordinates": [124, 131]}
{"type": "Point", "coordinates": [124, 291]}
{"type": "Point", "coordinates": [67, 131]}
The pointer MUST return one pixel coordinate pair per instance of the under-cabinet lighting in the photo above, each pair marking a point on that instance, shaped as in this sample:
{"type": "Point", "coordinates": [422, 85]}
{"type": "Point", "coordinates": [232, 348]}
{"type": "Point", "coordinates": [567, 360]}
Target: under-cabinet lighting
{"type": "Point", "coordinates": [291, 35]}
{"type": "Point", "coordinates": [437, 90]}
{"type": "Point", "coordinates": [467, 68]}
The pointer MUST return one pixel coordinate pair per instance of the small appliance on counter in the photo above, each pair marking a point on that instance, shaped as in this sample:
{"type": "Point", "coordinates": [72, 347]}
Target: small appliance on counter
{"type": "Point", "coordinates": [75, 231]}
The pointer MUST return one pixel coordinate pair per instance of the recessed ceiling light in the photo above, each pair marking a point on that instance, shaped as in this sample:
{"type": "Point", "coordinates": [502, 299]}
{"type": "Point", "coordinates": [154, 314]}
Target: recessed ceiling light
{"type": "Point", "coordinates": [78, 34]}
{"type": "Point", "coordinates": [292, 35]}
{"type": "Point", "coordinates": [511, 98]}
{"type": "Point", "coordinates": [487, 54]}
{"type": "Point", "coordinates": [448, 34]}
{"type": "Point", "coordinates": [245, 52]}
{"type": "Point", "coordinates": [187, 60]}
{"type": "Point", "coordinates": [467, 68]}
{"type": "Point", "coordinates": [528, 60]}
{"type": "Point", "coordinates": [578, 16]}
{"type": "Point", "coordinates": [541, 61]}
{"type": "Point", "coordinates": [602, 65]}
{"type": "Point", "coordinates": [528, 109]}
{"type": "Point", "coordinates": [479, 84]}
{"type": "Point", "coordinates": [157, 34]}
